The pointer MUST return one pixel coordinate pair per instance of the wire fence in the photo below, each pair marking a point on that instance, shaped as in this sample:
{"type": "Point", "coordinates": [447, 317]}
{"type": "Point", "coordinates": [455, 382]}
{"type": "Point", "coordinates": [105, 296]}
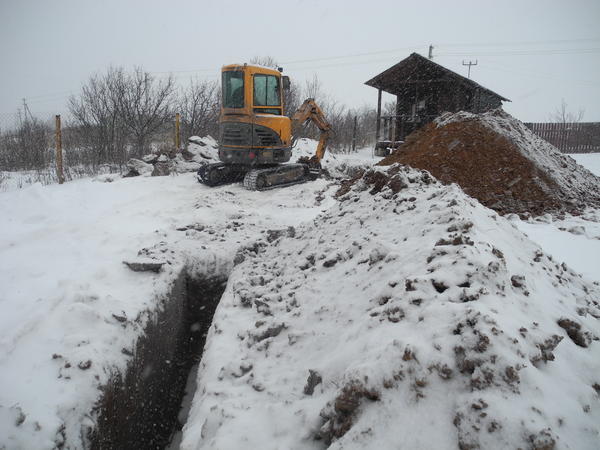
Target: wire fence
{"type": "Point", "coordinates": [48, 149]}
{"type": "Point", "coordinates": [122, 114]}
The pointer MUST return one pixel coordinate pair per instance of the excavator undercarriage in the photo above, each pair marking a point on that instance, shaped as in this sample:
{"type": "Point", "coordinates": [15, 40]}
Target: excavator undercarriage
{"type": "Point", "coordinates": [260, 179]}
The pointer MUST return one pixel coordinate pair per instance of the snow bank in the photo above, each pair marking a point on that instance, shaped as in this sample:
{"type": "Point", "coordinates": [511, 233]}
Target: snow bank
{"type": "Point", "coordinates": [71, 312]}
{"type": "Point", "coordinates": [407, 315]}
{"type": "Point", "coordinates": [590, 161]}
{"type": "Point", "coordinates": [573, 239]}
{"type": "Point", "coordinates": [69, 305]}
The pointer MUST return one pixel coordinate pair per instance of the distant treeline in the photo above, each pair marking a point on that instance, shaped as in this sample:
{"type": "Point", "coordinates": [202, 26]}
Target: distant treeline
{"type": "Point", "coordinates": [119, 115]}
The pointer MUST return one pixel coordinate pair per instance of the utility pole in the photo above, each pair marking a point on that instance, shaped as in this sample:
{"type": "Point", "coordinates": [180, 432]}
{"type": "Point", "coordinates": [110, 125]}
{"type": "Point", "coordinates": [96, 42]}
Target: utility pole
{"type": "Point", "coordinates": [431, 52]}
{"type": "Point", "coordinates": [26, 110]}
{"type": "Point", "coordinates": [470, 63]}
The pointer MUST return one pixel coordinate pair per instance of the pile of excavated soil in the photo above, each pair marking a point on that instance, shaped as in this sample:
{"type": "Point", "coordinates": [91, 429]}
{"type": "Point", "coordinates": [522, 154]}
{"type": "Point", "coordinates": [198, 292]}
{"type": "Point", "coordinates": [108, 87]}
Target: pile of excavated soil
{"type": "Point", "coordinates": [405, 315]}
{"type": "Point", "coordinates": [500, 162]}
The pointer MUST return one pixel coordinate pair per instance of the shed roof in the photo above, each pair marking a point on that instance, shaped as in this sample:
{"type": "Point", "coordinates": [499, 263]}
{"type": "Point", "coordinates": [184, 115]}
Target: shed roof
{"type": "Point", "coordinates": [418, 69]}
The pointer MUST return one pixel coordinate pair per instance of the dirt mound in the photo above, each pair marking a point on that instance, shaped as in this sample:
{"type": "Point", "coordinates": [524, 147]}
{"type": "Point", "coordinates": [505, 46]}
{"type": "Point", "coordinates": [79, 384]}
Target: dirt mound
{"type": "Point", "coordinates": [500, 162]}
{"type": "Point", "coordinates": [405, 309]}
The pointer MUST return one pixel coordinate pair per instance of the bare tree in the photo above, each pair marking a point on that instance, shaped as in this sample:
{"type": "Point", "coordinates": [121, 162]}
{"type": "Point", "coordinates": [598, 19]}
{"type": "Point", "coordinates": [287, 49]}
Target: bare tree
{"type": "Point", "coordinates": [118, 111]}
{"type": "Point", "coordinates": [198, 104]}
{"type": "Point", "coordinates": [97, 124]}
{"type": "Point", "coordinates": [340, 118]}
{"type": "Point", "coordinates": [563, 115]}
{"type": "Point", "coordinates": [26, 146]}
{"type": "Point", "coordinates": [145, 104]}
{"type": "Point", "coordinates": [265, 61]}
{"type": "Point", "coordinates": [292, 99]}
{"type": "Point", "coordinates": [313, 88]}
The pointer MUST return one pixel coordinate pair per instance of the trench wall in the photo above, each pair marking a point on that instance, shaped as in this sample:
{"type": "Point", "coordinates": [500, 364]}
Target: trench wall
{"type": "Point", "coordinates": [138, 409]}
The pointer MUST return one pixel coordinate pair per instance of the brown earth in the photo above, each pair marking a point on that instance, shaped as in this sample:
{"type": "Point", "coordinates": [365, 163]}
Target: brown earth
{"type": "Point", "coordinates": [487, 166]}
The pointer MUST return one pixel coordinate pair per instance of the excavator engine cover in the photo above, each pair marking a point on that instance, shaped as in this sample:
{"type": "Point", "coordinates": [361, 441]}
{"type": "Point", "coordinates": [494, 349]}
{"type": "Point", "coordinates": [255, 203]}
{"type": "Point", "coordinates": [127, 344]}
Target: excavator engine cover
{"type": "Point", "coordinates": [241, 144]}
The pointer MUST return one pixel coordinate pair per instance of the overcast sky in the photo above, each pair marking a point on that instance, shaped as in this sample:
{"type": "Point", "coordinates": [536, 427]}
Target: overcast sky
{"type": "Point", "coordinates": [535, 53]}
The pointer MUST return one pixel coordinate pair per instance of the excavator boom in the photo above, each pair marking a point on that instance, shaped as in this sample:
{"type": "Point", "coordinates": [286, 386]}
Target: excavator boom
{"type": "Point", "coordinates": [309, 111]}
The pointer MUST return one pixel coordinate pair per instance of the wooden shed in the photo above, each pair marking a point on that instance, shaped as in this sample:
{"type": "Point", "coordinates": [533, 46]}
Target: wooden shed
{"type": "Point", "coordinates": [424, 90]}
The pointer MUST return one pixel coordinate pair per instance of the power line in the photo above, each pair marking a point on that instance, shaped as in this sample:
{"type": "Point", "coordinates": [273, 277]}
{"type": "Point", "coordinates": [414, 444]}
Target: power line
{"type": "Point", "coordinates": [525, 52]}
{"type": "Point", "coordinates": [353, 55]}
{"type": "Point", "coordinates": [518, 43]}
{"type": "Point", "coordinates": [421, 46]}
{"type": "Point", "coordinates": [350, 63]}
{"type": "Point", "coordinates": [537, 75]}
{"type": "Point", "coordinates": [49, 95]}
{"type": "Point", "coordinates": [183, 71]}
{"type": "Point", "coordinates": [48, 99]}
{"type": "Point", "coordinates": [301, 62]}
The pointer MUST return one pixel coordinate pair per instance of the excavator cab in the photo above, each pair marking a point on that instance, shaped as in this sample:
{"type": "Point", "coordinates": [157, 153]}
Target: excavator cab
{"type": "Point", "coordinates": [253, 130]}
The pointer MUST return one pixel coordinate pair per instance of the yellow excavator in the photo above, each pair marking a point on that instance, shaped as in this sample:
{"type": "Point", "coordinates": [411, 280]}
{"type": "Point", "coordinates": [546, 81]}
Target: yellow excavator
{"type": "Point", "coordinates": [256, 137]}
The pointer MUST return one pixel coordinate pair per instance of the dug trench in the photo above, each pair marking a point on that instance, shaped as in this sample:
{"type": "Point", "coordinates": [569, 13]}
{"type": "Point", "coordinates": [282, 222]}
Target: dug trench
{"type": "Point", "coordinates": [139, 409]}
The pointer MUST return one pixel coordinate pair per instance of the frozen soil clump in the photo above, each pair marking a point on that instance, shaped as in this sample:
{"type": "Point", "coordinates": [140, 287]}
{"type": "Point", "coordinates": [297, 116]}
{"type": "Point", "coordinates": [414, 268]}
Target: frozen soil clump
{"type": "Point", "coordinates": [497, 160]}
{"type": "Point", "coordinates": [407, 314]}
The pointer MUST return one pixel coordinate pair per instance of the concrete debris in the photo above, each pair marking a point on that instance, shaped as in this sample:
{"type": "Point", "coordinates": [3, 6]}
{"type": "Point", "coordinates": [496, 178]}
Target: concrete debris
{"type": "Point", "coordinates": [144, 265]}
{"type": "Point", "coordinates": [161, 168]}
{"type": "Point", "coordinates": [199, 151]}
{"type": "Point", "coordinates": [137, 167]}
{"type": "Point", "coordinates": [150, 158]}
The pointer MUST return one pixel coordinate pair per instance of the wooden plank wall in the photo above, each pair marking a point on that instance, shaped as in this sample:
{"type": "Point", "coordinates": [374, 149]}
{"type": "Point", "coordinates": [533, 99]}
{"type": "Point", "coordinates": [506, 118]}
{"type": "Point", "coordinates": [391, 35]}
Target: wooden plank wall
{"type": "Point", "coordinates": [583, 137]}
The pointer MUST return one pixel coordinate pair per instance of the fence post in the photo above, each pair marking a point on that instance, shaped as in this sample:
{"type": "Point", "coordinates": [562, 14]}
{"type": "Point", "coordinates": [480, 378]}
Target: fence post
{"type": "Point", "coordinates": [177, 137]}
{"type": "Point", "coordinates": [59, 155]}
{"type": "Point", "coordinates": [354, 136]}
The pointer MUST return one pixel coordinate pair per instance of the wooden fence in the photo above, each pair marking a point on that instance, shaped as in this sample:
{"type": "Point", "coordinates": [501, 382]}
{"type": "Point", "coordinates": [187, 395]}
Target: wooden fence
{"type": "Point", "coordinates": [583, 137]}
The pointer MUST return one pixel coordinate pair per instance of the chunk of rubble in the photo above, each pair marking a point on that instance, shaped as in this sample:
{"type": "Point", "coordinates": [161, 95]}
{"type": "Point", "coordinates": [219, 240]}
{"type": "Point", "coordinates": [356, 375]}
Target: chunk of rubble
{"type": "Point", "coordinates": [144, 265]}
{"type": "Point", "coordinates": [150, 158]}
{"type": "Point", "coordinates": [161, 167]}
{"type": "Point", "coordinates": [138, 167]}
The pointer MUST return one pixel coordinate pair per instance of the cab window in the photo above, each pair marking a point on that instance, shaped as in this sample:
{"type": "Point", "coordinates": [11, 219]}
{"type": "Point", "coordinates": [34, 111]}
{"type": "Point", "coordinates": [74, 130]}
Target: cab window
{"type": "Point", "coordinates": [233, 89]}
{"type": "Point", "coordinates": [266, 90]}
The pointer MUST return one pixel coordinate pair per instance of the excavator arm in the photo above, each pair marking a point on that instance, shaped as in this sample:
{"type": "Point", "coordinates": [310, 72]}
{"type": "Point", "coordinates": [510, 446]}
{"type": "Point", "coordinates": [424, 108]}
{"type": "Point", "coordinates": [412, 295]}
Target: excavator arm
{"type": "Point", "coordinates": [309, 111]}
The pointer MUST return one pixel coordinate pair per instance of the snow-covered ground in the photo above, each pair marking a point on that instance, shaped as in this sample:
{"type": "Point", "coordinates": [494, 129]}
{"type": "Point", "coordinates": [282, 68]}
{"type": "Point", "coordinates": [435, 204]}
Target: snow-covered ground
{"type": "Point", "coordinates": [590, 161]}
{"type": "Point", "coordinates": [574, 240]}
{"type": "Point", "coordinates": [407, 315]}
{"type": "Point", "coordinates": [64, 289]}
{"type": "Point", "coordinates": [9, 181]}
